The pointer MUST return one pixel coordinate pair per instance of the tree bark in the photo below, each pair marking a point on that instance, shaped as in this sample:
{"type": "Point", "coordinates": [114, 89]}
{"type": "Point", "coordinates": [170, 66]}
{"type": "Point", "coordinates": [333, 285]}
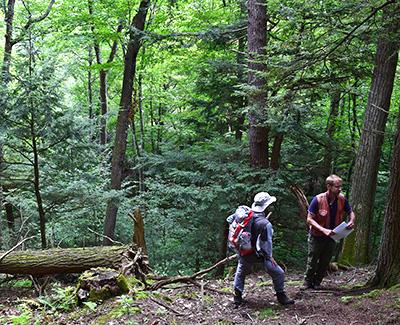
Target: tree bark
{"type": "Point", "coordinates": [66, 260]}
{"type": "Point", "coordinates": [5, 77]}
{"type": "Point", "coordinates": [103, 78]}
{"type": "Point", "coordinates": [138, 233]}
{"type": "Point", "coordinates": [276, 151]}
{"type": "Point", "coordinates": [357, 248]}
{"type": "Point", "coordinates": [141, 113]}
{"type": "Point", "coordinates": [327, 169]}
{"type": "Point", "coordinates": [36, 183]}
{"type": "Point", "coordinates": [257, 41]}
{"type": "Point", "coordinates": [10, 41]}
{"type": "Point", "coordinates": [241, 102]}
{"type": "Point", "coordinates": [89, 84]}
{"type": "Point", "coordinates": [387, 272]}
{"type": "Point", "coordinates": [118, 156]}
{"type": "Point", "coordinates": [8, 44]}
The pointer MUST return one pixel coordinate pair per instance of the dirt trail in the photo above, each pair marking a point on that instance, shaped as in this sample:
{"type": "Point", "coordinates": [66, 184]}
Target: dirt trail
{"type": "Point", "coordinates": [335, 304]}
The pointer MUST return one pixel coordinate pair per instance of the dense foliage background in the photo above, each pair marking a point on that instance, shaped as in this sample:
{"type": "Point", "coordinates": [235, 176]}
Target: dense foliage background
{"type": "Point", "coordinates": [187, 160]}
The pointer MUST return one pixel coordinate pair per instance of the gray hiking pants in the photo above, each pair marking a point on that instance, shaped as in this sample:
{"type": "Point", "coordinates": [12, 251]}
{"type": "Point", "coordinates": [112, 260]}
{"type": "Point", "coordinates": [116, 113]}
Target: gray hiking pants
{"type": "Point", "coordinates": [244, 268]}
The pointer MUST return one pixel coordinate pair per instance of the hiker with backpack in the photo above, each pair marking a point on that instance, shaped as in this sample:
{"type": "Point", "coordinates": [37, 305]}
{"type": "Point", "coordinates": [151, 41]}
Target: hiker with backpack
{"type": "Point", "coordinates": [250, 232]}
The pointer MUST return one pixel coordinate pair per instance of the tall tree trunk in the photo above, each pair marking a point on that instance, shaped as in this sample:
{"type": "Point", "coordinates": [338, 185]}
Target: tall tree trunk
{"type": "Point", "coordinates": [276, 151]}
{"type": "Point", "coordinates": [5, 77]}
{"type": "Point", "coordinates": [118, 156]}
{"type": "Point", "coordinates": [152, 123]}
{"type": "Point", "coordinates": [89, 85]}
{"type": "Point", "coordinates": [387, 272]}
{"type": "Point", "coordinates": [239, 115]}
{"type": "Point", "coordinates": [142, 136]}
{"type": "Point", "coordinates": [257, 40]}
{"type": "Point", "coordinates": [36, 184]}
{"type": "Point", "coordinates": [103, 105]}
{"type": "Point", "coordinates": [10, 41]}
{"type": "Point", "coordinates": [141, 113]}
{"type": "Point", "coordinates": [356, 248]}
{"type": "Point", "coordinates": [326, 169]}
{"type": "Point", "coordinates": [1, 202]}
{"type": "Point", "coordinates": [103, 77]}
{"type": "Point", "coordinates": [8, 45]}
{"type": "Point", "coordinates": [10, 218]}
{"type": "Point", "coordinates": [160, 124]}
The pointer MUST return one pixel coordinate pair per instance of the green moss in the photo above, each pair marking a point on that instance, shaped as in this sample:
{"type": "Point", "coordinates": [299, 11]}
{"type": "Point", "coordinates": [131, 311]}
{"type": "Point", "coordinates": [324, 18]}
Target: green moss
{"type": "Point", "coordinates": [395, 287]}
{"type": "Point", "coordinates": [102, 320]}
{"type": "Point", "coordinates": [100, 294]}
{"type": "Point", "coordinates": [106, 291]}
{"type": "Point", "coordinates": [133, 283]}
{"type": "Point", "coordinates": [347, 299]}
{"type": "Point", "coordinates": [227, 289]}
{"type": "Point", "coordinates": [264, 283]}
{"type": "Point", "coordinates": [141, 295]}
{"type": "Point", "coordinates": [267, 313]}
{"type": "Point", "coordinates": [124, 311]}
{"type": "Point", "coordinates": [397, 303]}
{"type": "Point", "coordinates": [294, 283]}
{"type": "Point", "coordinates": [22, 318]}
{"type": "Point", "coordinates": [123, 283]}
{"type": "Point", "coordinates": [373, 294]}
{"type": "Point", "coordinates": [24, 283]}
{"type": "Point", "coordinates": [208, 299]}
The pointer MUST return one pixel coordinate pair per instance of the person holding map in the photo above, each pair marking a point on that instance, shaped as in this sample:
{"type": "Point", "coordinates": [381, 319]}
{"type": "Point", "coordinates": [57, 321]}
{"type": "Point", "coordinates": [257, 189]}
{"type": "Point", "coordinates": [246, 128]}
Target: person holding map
{"type": "Point", "coordinates": [325, 213]}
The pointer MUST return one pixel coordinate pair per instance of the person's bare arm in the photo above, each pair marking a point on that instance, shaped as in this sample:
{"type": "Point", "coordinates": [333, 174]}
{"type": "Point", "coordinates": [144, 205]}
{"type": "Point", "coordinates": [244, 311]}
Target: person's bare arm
{"type": "Point", "coordinates": [352, 219]}
{"type": "Point", "coordinates": [313, 223]}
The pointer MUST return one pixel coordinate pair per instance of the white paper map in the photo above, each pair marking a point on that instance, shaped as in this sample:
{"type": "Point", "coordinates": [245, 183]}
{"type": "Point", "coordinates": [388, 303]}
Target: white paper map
{"type": "Point", "coordinates": [341, 231]}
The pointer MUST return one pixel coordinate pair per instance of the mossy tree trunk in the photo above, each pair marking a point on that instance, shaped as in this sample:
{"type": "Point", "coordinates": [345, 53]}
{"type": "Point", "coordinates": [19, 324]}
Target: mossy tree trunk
{"type": "Point", "coordinates": [357, 246]}
{"type": "Point", "coordinates": [119, 150]}
{"type": "Point", "coordinates": [66, 260]}
{"type": "Point", "coordinates": [387, 272]}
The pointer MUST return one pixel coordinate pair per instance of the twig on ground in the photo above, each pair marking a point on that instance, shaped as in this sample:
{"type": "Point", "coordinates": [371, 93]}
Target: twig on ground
{"type": "Point", "coordinates": [167, 307]}
{"type": "Point", "coordinates": [193, 282]}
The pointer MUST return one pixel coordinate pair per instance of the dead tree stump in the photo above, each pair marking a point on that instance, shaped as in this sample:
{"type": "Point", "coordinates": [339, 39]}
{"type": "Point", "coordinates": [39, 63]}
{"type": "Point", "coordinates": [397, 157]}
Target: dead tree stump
{"type": "Point", "coordinates": [100, 284]}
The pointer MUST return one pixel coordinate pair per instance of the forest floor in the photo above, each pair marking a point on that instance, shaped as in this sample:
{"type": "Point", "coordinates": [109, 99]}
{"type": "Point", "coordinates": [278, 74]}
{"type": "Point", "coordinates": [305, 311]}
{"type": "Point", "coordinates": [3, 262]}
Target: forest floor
{"type": "Point", "coordinates": [211, 303]}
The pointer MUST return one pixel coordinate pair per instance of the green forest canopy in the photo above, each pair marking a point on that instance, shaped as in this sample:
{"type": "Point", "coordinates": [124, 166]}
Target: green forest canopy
{"type": "Point", "coordinates": [187, 160]}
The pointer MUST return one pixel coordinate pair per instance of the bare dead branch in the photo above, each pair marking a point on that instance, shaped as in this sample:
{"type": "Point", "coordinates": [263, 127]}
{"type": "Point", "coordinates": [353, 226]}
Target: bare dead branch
{"type": "Point", "coordinates": [167, 307]}
{"type": "Point", "coordinates": [190, 278]}
{"type": "Point", "coordinates": [104, 236]}
{"type": "Point", "coordinates": [15, 247]}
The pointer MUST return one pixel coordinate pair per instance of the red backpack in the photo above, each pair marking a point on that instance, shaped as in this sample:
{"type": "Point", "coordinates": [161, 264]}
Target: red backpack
{"type": "Point", "coordinates": [239, 237]}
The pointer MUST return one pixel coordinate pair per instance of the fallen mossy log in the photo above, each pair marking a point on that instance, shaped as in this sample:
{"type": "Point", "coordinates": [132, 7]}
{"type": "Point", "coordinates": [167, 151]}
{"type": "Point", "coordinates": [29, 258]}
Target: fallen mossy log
{"type": "Point", "coordinates": [75, 260]}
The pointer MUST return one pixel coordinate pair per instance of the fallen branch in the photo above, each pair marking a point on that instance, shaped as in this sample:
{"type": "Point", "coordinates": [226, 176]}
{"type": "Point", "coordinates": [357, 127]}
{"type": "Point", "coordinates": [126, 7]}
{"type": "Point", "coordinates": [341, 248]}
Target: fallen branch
{"type": "Point", "coordinates": [167, 307]}
{"type": "Point", "coordinates": [104, 236]}
{"type": "Point", "coordinates": [15, 247]}
{"type": "Point", "coordinates": [190, 278]}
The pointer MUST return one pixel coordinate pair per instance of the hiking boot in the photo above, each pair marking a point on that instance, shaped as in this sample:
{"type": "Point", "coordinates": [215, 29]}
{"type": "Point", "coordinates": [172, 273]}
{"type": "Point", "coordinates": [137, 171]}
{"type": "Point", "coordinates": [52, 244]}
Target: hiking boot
{"type": "Point", "coordinates": [307, 285]}
{"type": "Point", "coordinates": [283, 299]}
{"type": "Point", "coordinates": [237, 298]}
